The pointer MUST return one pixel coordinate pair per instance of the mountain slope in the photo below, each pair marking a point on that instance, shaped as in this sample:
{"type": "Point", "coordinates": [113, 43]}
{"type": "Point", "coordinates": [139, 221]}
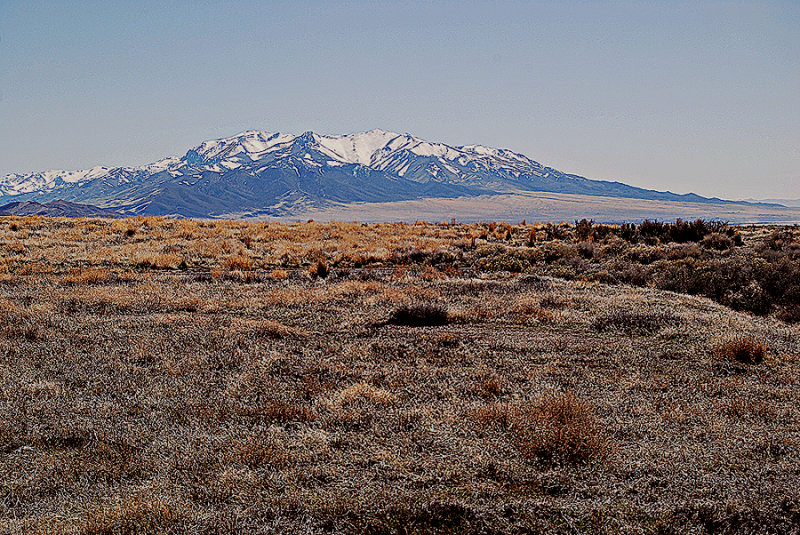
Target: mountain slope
{"type": "Point", "coordinates": [265, 173]}
{"type": "Point", "coordinates": [55, 209]}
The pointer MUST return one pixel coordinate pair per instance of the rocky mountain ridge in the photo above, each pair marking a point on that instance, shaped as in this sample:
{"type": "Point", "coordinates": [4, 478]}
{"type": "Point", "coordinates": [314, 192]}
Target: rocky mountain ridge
{"type": "Point", "coordinates": [258, 173]}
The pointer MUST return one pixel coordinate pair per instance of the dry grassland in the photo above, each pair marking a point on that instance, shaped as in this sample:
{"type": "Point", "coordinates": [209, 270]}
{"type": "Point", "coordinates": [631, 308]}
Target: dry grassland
{"type": "Point", "coordinates": [162, 376]}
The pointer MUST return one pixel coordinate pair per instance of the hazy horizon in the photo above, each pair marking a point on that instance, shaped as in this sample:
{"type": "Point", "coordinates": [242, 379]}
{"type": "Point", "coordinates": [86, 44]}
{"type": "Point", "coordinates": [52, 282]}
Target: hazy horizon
{"type": "Point", "coordinates": [688, 98]}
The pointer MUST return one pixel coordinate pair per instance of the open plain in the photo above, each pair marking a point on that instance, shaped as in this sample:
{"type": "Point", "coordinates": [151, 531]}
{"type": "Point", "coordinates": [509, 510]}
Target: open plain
{"type": "Point", "coordinates": [547, 206]}
{"type": "Point", "coordinates": [177, 376]}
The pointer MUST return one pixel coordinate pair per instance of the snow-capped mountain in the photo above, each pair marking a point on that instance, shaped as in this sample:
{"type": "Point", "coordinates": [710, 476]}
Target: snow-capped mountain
{"type": "Point", "coordinates": [266, 173]}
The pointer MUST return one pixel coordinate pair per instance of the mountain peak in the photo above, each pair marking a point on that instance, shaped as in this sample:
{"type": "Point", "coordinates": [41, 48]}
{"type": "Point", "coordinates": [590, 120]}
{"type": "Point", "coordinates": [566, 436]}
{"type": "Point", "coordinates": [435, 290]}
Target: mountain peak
{"type": "Point", "coordinates": [306, 137]}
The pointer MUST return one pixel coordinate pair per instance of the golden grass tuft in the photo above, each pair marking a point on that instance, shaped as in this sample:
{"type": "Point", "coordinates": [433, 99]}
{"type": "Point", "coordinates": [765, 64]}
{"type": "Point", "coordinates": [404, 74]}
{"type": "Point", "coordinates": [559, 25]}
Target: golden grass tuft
{"type": "Point", "coordinates": [279, 274]}
{"type": "Point", "coordinates": [258, 450]}
{"type": "Point", "coordinates": [559, 427]}
{"type": "Point", "coordinates": [238, 262]}
{"type": "Point", "coordinates": [133, 515]}
{"type": "Point", "coordinates": [362, 391]}
{"type": "Point", "coordinates": [276, 329]}
{"type": "Point", "coordinates": [556, 427]}
{"type": "Point", "coordinates": [86, 276]}
{"type": "Point", "coordinates": [159, 261]}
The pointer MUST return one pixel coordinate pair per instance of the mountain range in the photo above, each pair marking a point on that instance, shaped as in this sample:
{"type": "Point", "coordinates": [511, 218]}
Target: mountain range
{"type": "Point", "coordinates": [262, 174]}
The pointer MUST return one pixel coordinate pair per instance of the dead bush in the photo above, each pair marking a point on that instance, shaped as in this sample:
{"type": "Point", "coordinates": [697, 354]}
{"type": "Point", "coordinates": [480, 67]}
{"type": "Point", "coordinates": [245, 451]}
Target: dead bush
{"type": "Point", "coordinates": [431, 518]}
{"type": "Point", "coordinates": [276, 329]}
{"type": "Point", "coordinates": [494, 414]}
{"type": "Point", "coordinates": [137, 514]}
{"type": "Point", "coordinates": [635, 322]}
{"type": "Point", "coordinates": [86, 276]}
{"type": "Point", "coordinates": [490, 386]}
{"type": "Point", "coordinates": [419, 314]}
{"type": "Point", "coordinates": [717, 241]}
{"type": "Point", "coordinates": [257, 450]}
{"type": "Point", "coordinates": [278, 410]}
{"type": "Point", "coordinates": [534, 282]}
{"type": "Point", "coordinates": [557, 251]}
{"type": "Point", "coordinates": [533, 312]}
{"type": "Point", "coordinates": [238, 262]}
{"type": "Point", "coordinates": [358, 405]}
{"type": "Point", "coordinates": [15, 247]}
{"type": "Point", "coordinates": [558, 427]}
{"type": "Point", "coordinates": [744, 350]}
{"type": "Point", "coordinates": [319, 268]}
{"type": "Point", "coordinates": [159, 261]}
{"type": "Point", "coordinates": [279, 274]}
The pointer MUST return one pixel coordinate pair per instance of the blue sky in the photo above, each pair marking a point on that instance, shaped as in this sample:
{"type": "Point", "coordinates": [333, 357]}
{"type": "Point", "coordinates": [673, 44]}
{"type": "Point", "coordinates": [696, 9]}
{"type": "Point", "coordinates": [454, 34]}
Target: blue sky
{"type": "Point", "coordinates": [701, 97]}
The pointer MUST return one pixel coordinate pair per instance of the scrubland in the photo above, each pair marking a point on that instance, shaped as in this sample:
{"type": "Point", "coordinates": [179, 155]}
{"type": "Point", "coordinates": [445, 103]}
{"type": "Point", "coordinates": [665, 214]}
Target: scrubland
{"type": "Point", "coordinates": [173, 376]}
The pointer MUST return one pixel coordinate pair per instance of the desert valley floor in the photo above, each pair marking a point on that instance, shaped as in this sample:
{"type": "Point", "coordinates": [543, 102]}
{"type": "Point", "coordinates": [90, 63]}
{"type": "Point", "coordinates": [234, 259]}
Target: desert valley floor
{"type": "Point", "coordinates": [175, 376]}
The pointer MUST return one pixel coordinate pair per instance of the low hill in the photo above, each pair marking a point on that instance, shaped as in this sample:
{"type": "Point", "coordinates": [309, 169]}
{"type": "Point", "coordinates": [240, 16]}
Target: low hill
{"type": "Point", "coordinates": [57, 208]}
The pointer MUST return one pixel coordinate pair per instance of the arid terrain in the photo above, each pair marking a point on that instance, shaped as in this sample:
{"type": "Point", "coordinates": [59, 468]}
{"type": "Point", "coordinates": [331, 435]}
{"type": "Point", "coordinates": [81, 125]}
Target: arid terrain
{"type": "Point", "coordinates": [178, 376]}
{"type": "Point", "coordinates": [546, 206]}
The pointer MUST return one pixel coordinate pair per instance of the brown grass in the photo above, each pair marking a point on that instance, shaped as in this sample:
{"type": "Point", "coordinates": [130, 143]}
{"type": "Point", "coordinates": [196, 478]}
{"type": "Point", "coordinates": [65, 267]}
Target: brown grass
{"type": "Point", "coordinates": [238, 262]}
{"type": "Point", "coordinates": [531, 397]}
{"type": "Point", "coordinates": [86, 276]}
{"type": "Point", "coordinates": [133, 515]}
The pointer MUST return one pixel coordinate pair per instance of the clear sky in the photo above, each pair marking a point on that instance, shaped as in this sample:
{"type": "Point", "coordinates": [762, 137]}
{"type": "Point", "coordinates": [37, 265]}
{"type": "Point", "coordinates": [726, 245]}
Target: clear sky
{"type": "Point", "coordinates": [680, 96]}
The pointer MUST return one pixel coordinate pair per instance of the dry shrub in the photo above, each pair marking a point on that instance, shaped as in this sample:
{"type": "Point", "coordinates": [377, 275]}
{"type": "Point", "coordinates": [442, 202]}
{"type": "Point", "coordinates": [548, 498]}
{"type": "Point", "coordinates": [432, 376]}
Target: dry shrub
{"type": "Point", "coordinates": [717, 241]}
{"type": "Point", "coordinates": [635, 322]}
{"type": "Point", "coordinates": [238, 262]}
{"type": "Point", "coordinates": [556, 251]}
{"type": "Point", "coordinates": [447, 340]}
{"type": "Point", "coordinates": [159, 261]}
{"type": "Point", "coordinates": [358, 404]}
{"type": "Point", "coordinates": [15, 247]}
{"type": "Point", "coordinates": [744, 350]}
{"type": "Point", "coordinates": [790, 314]}
{"type": "Point", "coordinates": [246, 237]}
{"type": "Point", "coordinates": [137, 514]}
{"type": "Point", "coordinates": [534, 283]}
{"type": "Point", "coordinates": [494, 414]}
{"type": "Point", "coordinates": [361, 391]}
{"type": "Point", "coordinates": [275, 329]}
{"type": "Point", "coordinates": [430, 273]}
{"type": "Point", "coordinates": [10, 311]}
{"type": "Point", "coordinates": [258, 450]}
{"type": "Point", "coordinates": [557, 427]}
{"type": "Point", "coordinates": [279, 410]}
{"type": "Point", "coordinates": [436, 517]}
{"type": "Point", "coordinates": [748, 408]}
{"type": "Point", "coordinates": [419, 314]}
{"type": "Point", "coordinates": [86, 276]}
{"type": "Point", "coordinates": [475, 314]}
{"type": "Point", "coordinates": [490, 386]}
{"type": "Point", "coordinates": [279, 274]}
{"type": "Point", "coordinates": [319, 268]}
{"type": "Point", "coordinates": [529, 310]}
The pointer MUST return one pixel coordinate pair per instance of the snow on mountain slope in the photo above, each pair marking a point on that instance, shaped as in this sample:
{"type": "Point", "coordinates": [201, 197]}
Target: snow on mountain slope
{"type": "Point", "coordinates": [257, 171]}
{"type": "Point", "coordinates": [378, 149]}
